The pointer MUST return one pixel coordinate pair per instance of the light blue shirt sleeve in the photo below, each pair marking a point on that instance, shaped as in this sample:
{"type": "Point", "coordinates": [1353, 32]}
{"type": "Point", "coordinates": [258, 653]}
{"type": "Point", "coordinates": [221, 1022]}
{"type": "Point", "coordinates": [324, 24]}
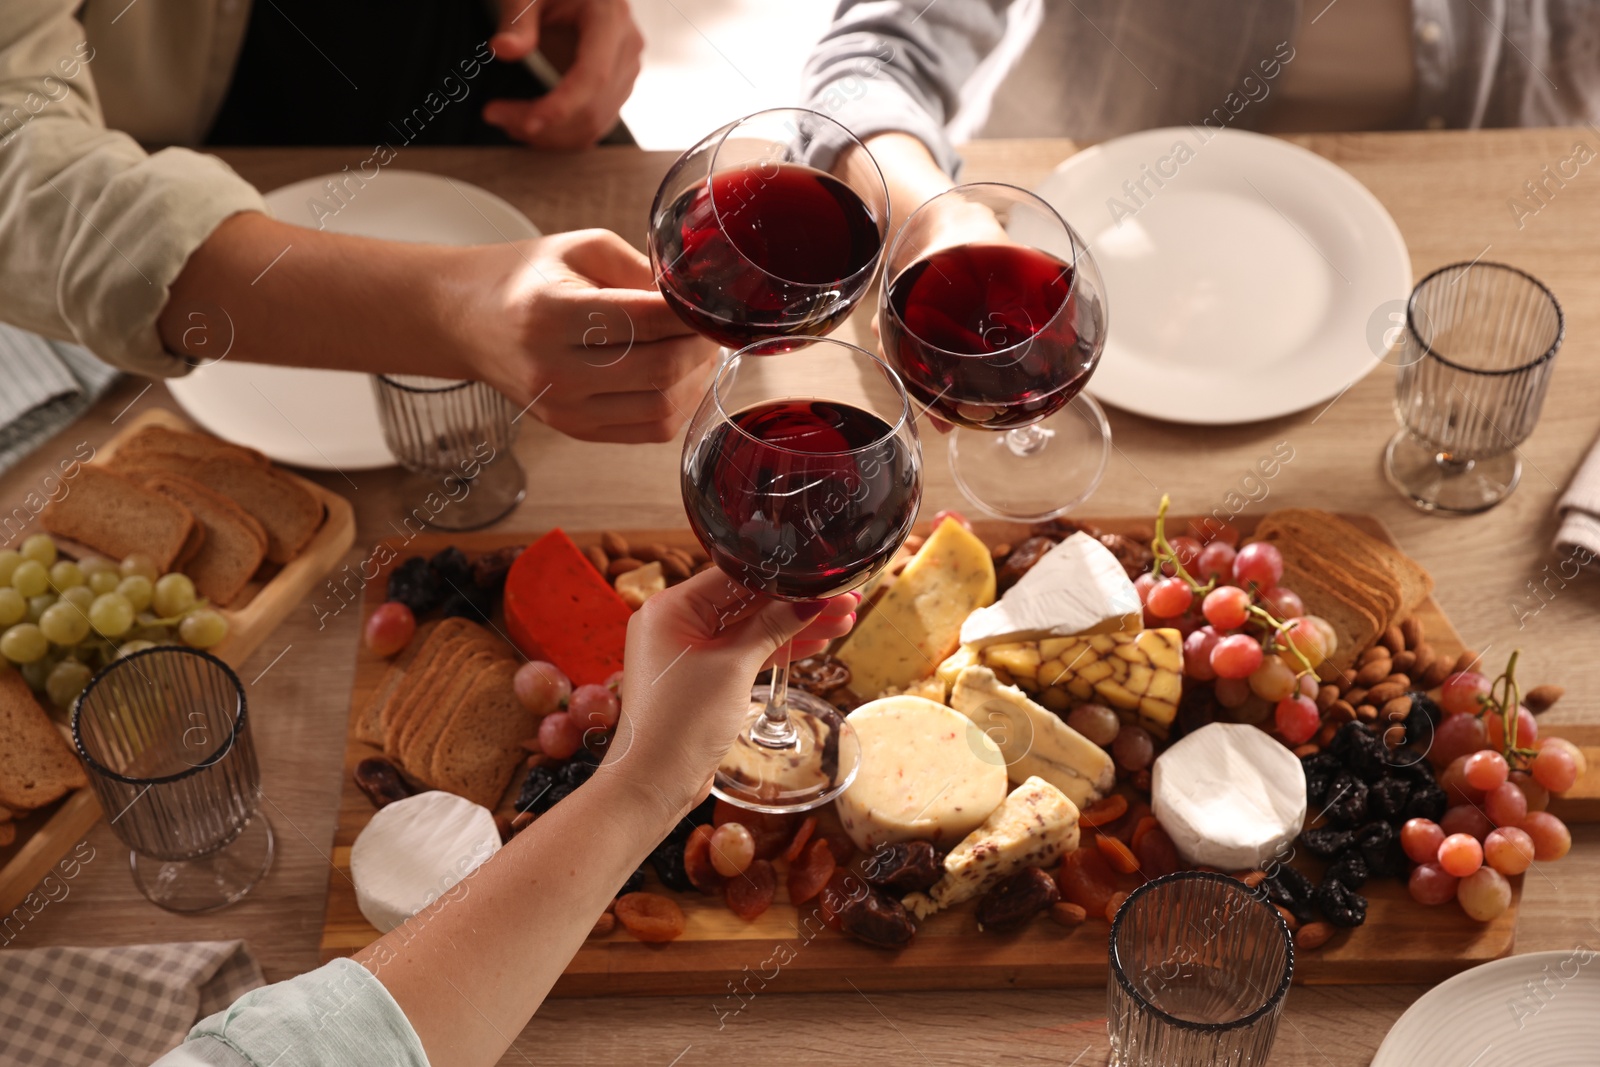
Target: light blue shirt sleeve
{"type": "Point", "coordinates": [339, 1014]}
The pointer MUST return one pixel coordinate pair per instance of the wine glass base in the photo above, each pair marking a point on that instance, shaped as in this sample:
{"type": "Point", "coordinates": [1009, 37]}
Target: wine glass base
{"type": "Point", "coordinates": [450, 501]}
{"type": "Point", "coordinates": [1433, 483]}
{"type": "Point", "coordinates": [1038, 484]}
{"type": "Point", "coordinates": [819, 766]}
{"type": "Point", "coordinates": [211, 881]}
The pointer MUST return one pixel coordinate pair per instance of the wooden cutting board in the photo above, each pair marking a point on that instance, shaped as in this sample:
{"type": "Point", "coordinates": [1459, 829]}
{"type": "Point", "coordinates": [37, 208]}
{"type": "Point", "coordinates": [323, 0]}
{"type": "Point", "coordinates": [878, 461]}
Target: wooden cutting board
{"type": "Point", "coordinates": [788, 950]}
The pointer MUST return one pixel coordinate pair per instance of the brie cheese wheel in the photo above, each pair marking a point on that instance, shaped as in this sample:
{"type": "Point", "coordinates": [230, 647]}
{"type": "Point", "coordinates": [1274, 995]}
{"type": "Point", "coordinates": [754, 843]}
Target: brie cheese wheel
{"type": "Point", "coordinates": [1230, 796]}
{"type": "Point", "coordinates": [927, 774]}
{"type": "Point", "coordinates": [1078, 587]}
{"type": "Point", "coordinates": [414, 851]}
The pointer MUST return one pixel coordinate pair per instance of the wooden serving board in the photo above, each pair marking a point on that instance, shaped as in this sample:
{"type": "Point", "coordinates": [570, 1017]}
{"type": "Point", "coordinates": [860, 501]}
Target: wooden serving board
{"type": "Point", "coordinates": [44, 836]}
{"type": "Point", "coordinates": [788, 949]}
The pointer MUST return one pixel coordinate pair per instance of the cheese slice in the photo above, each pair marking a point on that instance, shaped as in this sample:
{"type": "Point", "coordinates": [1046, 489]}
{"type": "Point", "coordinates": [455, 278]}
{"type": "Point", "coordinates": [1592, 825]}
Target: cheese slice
{"type": "Point", "coordinates": [414, 851]}
{"type": "Point", "coordinates": [1078, 587]}
{"type": "Point", "coordinates": [1034, 741]}
{"type": "Point", "coordinates": [917, 623]}
{"type": "Point", "coordinates": [1034, 827]}
{"type": "Point", "coordinates": [1140, 674]}
{"type": "Point", "coordinates": [927, 774]}
{"type": "Point", "coordinates": [948, 671]}
{"type": "Point", "coordinates": [1230, 796]}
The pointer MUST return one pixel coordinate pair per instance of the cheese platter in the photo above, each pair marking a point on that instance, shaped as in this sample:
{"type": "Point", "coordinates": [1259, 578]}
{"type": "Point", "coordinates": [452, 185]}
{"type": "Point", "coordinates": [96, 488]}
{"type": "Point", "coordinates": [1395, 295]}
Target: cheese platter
{"type": "Point", "coordinates": [1099, 817]}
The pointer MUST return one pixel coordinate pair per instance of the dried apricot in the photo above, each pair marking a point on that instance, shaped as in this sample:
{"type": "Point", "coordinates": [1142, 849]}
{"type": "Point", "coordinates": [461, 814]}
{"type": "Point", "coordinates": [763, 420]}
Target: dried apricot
{"type": "Point", "coordinates": [808, 876]}
{"type": "Point", "coordinates": [1117, 854]}
{"type": "Point", "coordinates": [1105, 810]}
{"type": "Point", "coordinates": [1086, 879]}
{"type": "Point", "coordinates": [1114, 905]}
{"type": "Point", "coordinates": [1157, 854]}
{"type": "Point", "coordinates": [650, 916]}
{"type": "Point", "coordinates": [801, 837]}
{"type": "Point", "coordinates": [697, 860]}
{"type": "Point", "coordinates": [751, 893]}
{"type": "Point", "coordinates": [1146, 824]}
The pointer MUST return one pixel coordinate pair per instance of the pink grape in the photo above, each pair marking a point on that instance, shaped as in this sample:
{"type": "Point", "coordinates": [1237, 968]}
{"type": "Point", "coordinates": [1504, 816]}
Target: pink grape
{"type": "Point", "coordinates": [1236, 656]}
{"type": "Point", "coordinates": [1260, 563]}
{"type": "Point", "coordinates": [1297, 719]}
{"type": "Point", "coordinates": [1527, 730]}
{"type": "Point", "coordinates": [1455, 736]}
{"type": "Point", "coordinates": [1215, 561]}
{"type": "Point", "coordinates": [1460, 692]}
{"type": "Point", "coordinates": [1421, 839]}
{"type": "Point", "coordinates": [1142, 586]}
{"type": "Point", "coordinates": [1197, 654]}
{"type": "Point", "coordinates": [1460, 854]}
{"type": "Point", "coordinates": [1431, 885]}
{"type": "Point", "coordinates": [1273, 680]}
{"type": "Point", "coordinates": [1282, 602]}
{"type": "Point", "coordinates": [1554, 768]}
{"type": "Point", "coordinates": [1133, 749]}
{"type": "Point", "coordinates": [1538, 796]}
{"type": "Point", "coordinates": [1505, 805]}
{"type": "Point", "coordinates": [594, 707]}
{"type": "Point", "coordinates": [1508, 850]}
{"type": "Point", "coordinates": [1187, 549]}
{"type": "Point", "coordinates": [1305, 636]}
{"type": "Point", "coordinates": [1096, 722]}
{"type": "Point", "coordinates": [1214, 531]}
{"type": "Point", "coordinates": [1453, 780]}
{"type": "Point", "coordinates": [1226, 607]}
{"type": "Point", "coordinates": [1485, 770]}
{"type": "Point", "coordinates": [560, 736]}
{"type": "Point", "coordinates": [540, 686]}
{"type": "Point", "coordinates": [1485, 894]}
{"type": "Point", "coordinates": [1169, 598]}
{"type": "Point", "coordinates": [1551, 838]}
{"type": "Point", "coordinates": [1309, 686]}
{"type": "Point", "coordinates": [1466, 819]}
{"type": "Point", "coordinates": [1232, 692]}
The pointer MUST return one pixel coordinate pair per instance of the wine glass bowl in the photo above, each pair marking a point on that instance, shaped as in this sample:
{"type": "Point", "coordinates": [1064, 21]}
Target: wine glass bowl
{"type": "Point", "coordinates": [771, 226]}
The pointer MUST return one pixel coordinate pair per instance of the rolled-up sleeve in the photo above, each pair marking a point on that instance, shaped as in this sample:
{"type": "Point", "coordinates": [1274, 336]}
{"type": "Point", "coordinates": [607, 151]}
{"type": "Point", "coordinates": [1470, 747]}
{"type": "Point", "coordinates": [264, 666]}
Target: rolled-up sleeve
{"type": "Point", "coordinates": [339, 1013]}
{"type": "Point", "coordinates": [895, 66]}
{"type": "Point", "coordinates": [95, 229]}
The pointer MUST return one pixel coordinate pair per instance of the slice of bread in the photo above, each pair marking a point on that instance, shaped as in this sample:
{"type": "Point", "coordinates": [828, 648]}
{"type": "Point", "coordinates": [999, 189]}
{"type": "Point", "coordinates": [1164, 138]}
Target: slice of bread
{"type": "Point", "coordinates": [427, 690]}
{"type": "Point", "coordinates": [117, 517]}
{"type": "Point", "coordinates": [195, 542]}
{"type": "Point", "coordinates": [368, 724]}
{"type": "Point", "coordinates": [444, 633]}
{"type": "Point", "coordinates": [1366, 583]}
{"type": "Point", "coordinates": [481, 748]}
{"type": "Point", "coordinates": [36, 763]}
{"type": "Point", "coordinates": [235, 543]}
{"type": "Point", "coordinates": [156, 438]}
{"type": "Point", "coordinates": [417, 746]}
{"type": "Point", "coordinates": [1412, 580]}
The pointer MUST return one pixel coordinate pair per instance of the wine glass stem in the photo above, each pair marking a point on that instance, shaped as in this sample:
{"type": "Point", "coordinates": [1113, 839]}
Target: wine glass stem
{"type": "Point", "coordinates": [1026, 440]}
{"type": "Point", "coordinates": [773, 729]}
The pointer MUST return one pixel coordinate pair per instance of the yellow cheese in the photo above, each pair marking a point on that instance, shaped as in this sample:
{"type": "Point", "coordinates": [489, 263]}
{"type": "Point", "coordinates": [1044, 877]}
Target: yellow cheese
{"type": "Point", "coordinates": [1140, 675]}
{"type": "Point", "coordinates": [962, 658]}
{"type": "Point", "coordinates": [918, 621]}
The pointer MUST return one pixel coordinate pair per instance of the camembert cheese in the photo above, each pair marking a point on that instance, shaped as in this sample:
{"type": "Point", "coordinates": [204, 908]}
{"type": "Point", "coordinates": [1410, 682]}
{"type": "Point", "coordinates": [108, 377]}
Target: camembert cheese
{"type": "Point", "coordinates": [1230, 796]}
{"type": "Point", "coordinates": [1078, 587]}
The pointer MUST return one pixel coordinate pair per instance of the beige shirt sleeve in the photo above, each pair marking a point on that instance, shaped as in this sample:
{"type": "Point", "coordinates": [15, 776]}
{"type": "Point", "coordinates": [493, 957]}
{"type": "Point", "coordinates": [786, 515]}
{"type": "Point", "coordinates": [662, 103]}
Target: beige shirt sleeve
{"type": "Point", "coordinates": [94, 228]}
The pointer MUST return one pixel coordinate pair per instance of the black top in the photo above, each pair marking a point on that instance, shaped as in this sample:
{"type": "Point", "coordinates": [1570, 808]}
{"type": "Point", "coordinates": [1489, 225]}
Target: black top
{"type": "Point", "coordinates": [364, 72]}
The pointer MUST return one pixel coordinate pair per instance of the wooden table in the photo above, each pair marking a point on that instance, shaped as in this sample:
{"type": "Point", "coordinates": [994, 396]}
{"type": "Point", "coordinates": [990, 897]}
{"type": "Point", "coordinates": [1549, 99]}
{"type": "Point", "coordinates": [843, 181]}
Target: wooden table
{"type": "Point", "coordinates": [1449, 194]}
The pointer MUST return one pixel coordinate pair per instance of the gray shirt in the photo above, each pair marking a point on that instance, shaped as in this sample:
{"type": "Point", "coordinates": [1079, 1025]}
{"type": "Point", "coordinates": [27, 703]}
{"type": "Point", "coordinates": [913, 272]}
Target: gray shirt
{"type": "Point", "coordinates": [1094, 69]}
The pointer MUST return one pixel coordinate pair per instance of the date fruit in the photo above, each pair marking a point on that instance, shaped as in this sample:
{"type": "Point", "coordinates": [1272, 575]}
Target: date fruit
{"type": "Point", "coordinates": [907, 867]}
{"type": "Point", "coordinates": [1015, 901]}
{"type": "Point", "coordinates": [381, 781]}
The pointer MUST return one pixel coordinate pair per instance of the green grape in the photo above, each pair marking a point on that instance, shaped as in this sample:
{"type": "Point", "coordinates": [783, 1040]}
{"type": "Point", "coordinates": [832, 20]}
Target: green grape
{"type": "Point", "coordinates": [64, 574]}
{"type": "Point", "coordinates": [81, 595]}
{"type": "Point", "coordinates": [152, 634]}
{"type": "Point", "coordinates": [140, 564]}
{"type": "Point", "coordinates": [9, 558]}
{"type": "Point", "coordinates": [13, 607]}
{"type": "Point", "coordinates": [40, 548]}
{"type": "Point", "coordinates": [174, 595]}
{"type": "Point", "coordinates": [136, 645]}
{"type": "Point", "coordinates": [23, 643]}
{"type": "Point", "coordinates": [138, 589]}
{"type": "Point", "coordinates": [38, 605]}
{"type": "Point", "coordinates": [203, 628]}
{"type": "Point", "coordinates": [97, 565]}
{"type": "Point", "coordinates": [103, 582]}
{"type": "Point", "coordinates": [64, 624]}
{"type": "Point", "coordinates": [30, 578]}
{"type": "Point", "coordinates": [65, 681]}
{"type": "Point", "coordinates": [111, 615]}
{"type": "Point", "coordinates": [38, 672]}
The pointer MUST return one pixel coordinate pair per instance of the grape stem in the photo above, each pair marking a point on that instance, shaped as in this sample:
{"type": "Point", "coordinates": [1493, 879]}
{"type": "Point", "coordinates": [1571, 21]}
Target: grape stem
{"type": "Point", "coordinates": [1507, 704]}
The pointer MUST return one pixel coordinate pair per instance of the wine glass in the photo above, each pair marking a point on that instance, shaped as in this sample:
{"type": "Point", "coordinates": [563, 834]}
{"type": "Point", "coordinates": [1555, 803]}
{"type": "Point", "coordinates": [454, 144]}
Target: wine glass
{"type": "Point", "coordinates": [801, 476]}
{"type": "Point", "coordinates": [772, 226]}
{"type": "Point", "coordinates": [994, 313]}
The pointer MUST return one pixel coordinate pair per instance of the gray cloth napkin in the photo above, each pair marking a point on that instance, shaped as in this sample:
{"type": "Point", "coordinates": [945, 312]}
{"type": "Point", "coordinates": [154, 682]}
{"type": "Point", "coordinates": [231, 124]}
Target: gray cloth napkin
{"type": "Point", "coordinates": [87, 1007]}
{"type": "Point", "coordinates": [44, 386]}
{"type": "Point", "coordinates": [1580, 510]}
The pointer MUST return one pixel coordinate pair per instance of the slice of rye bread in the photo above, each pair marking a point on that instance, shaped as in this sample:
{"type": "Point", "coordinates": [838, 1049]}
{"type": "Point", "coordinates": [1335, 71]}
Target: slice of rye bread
{"type": "Point", "coordinates": [444, 633]}
{"type": "Point", "coordinates": [118, 517]}
{"type": "Point", "coordinates": [1368, 584]}
{"type": "Point", "coordinates": [157, 438]}
{"type": "Point", "coordinates": [285, 509]}
{"type": "Point", "coordinates": [481, 747]}
{"type": "Point", "coordinates": [235, 544]}
{"type": "Point", "coordinates": [435, 695]}
{"type": "Point", "coordinates": [1355, 626]}
{"type": "Point", "coordinates": [193, 544]}
{"type": "Point", "coordinates": [1415, 583]}
{"type": "Point", "coordinates": [424, 688]}
{"type": "Point", "coordinates": [368, 725]}
{"type": "Point", "coordinates": [36, 763]}
{"type": "Point", "coordinates": [417, 746]}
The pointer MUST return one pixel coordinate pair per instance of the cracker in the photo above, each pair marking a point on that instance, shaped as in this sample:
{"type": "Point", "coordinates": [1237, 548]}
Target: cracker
{"type": "Point", "coordinates": [480, 748]}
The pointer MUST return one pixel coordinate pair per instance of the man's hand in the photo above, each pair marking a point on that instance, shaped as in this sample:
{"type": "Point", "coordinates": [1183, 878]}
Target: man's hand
{"type": "Point", "coordinates": [583, 106]}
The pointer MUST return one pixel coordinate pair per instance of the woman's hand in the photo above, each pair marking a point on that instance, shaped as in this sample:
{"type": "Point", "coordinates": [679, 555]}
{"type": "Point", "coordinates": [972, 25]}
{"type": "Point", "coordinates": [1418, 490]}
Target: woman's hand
{"type": "Point", "coordinates": [693, 654]}
{"type": "Point", "coordinates": [582, 107]}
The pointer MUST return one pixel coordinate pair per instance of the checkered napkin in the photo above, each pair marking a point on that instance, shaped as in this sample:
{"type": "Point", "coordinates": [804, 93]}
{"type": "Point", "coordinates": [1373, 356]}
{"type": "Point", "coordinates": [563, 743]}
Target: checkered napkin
{"type": "Point", "coordinates": [1580, 510]}
{"type": "Point", "coordinates": [86, 1007]}
{"type": "Point", "coordinates": [47, 385]}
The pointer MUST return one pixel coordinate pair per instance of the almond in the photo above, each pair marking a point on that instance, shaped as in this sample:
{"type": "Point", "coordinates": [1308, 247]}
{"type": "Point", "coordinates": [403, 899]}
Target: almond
{"type": "Point", "coordinates": [1411, 630]}
{"type": "Point", "coordinates": [1341, 712]}
{"type": "Point", "coordinates": [676, 567]}
{"type": "Point", "coordinates": [1326, 695]}
{"type": "Point", "coordinates": [614, 544]}
{"type": "Point", "coordinates": [1000, 551]}
{"type": "Point", "coordinates": [1425, 657]}
{"type": "Point", "coordinates": [597, 555]}
{"type": "Point", "coordinates": [1541, 697]}
{"type": "Point", "coordinates": [1325, 734]}
{"type": "Point", "coordinates": [1402, 680]}
{"type": "Point", "coordinates": [1394, 736]}
{"type": "Point", "coordinates": [1307, 749]}
{"type": "Point", "coordinates": [915, 542]}
{"type": "Point", "coordinates": [604, 925]}
{"type": "Point", "coordinates": [697, 556]}
{"type": "Point", "coordinates": [1374, 672]}
{"type": "Point", "coordinates": [1313, 935]}
{"type": "Point", "coordinates": [1396, 710]}
{"type": "Point", "coordinates": [1253, 878]}
{"type": "Point", "coordinates": [651, 553]}
{"type": "Point", "coordinates": [1404, 661]}
{"type": "Point", "coordinates": [1380, 695]}
{"type": "Point", "coordinates": [1067, 913]}
{"type": "Point", "coordinates": [1373, 653]}
{"type": "Point", "coordinates": [1355, 695]}
{"type": "Point", "coordinates": [1467, 661]}
{"type": "Point", "coordinates": [623, 565]}
{"type": "Point", "coordinates": [1288, 918]}
{"type": "Point", "coordinates": [1437, 672]}
{"type": "Point", "coordinates": [1367, 713]}
{"type": "Point", "coordinates": [703, 566]}
{"type": "Point", "coordinates": [1393, 640]}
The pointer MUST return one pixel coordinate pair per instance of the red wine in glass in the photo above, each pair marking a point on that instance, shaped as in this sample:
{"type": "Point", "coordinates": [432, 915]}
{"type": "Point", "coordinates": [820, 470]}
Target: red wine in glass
{"type": "Point", "coordinates": [789, 499]}
{"type": "Point", "coordinates": [985, 335]}
{"type": "Point", "coordinates": [765, 250]}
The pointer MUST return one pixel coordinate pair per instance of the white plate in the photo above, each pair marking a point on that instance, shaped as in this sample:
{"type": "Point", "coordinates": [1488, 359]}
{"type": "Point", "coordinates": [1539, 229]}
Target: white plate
{"type": "Point", "coordinates": [328, 420]}
{"type": "Point", "coordinates": [1541, 1008]}
{"type": "Point", "coordinates": [1249, 284]}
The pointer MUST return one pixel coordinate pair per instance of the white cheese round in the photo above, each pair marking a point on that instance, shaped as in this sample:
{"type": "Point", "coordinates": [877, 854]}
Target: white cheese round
{"type": "Point", "coordinates": [414, 851]}
{"type": "Point", "coordinates": [1230, 796]}
{"type": "Point", "coordinates": [927, 774]}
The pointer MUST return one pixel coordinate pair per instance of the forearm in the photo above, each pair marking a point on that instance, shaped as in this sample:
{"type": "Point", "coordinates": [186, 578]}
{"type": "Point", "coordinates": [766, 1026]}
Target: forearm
{"type": "Point", "coordinates": [264, 291]}
{"type": "Point", "coordinates": [470, 971]}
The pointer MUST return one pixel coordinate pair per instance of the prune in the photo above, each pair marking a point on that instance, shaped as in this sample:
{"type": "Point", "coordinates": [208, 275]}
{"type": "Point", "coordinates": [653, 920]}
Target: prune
{"type": "Point", "coordinates": [1319, 776]}
{"type": "Point", "coordinates": [1361, 751]}
{"type": "Point", "coordinates": [1350, 869]}
{"type": "Point", "coordinates": [380, 780]}
{"type": "Point", "coordinates": [1421, 720]}
{"type": "Point", "coordinates": [667, 859]}
{"type": "Point", "coordinates": [819, 675]}
{"type": "Point", "coordinates": [1059, 529]}
{"type": "Point", "coordinates": [1341, 905]}
{"type": "Point", "coordinates": [1012, 903]}
{"type": "Point", "coordinates": [489, 570]}
{"type": "Point", "coordinates": [1346, 803]}
{"type": "Point", "coordinates": [534, 795]}
{"type": "Point", "coordinates": [557, 794]}
{"type": "Point", "coordinates": [469, 602]}
{"type": "Point", "coordinates": [1292, 891]}
{"type": "Point", "coordinates": [907, 867]}
{"type": "Point", "coordinates": [1327, 842]}
{"type": "Point", "coordinates": [1135, 556]}
{"type": "Point", "coordinates": [634, 883]}
{"type": "Point", "coordinates": [452, 567]}
{"type": "Point", "coordinates": [876, 918]}
{"type": "Point", "coordinates": [577, 770]}
{"type": "Point", "coordinates": [1386, 799]}
{"type": "Point", "coordinates": [1021, 561]}
{"type": "Point", "coordinates": [1411, 765]}
{"type": "Point", "coordinates": [1298, 885]}
{"type": "Point", "coordinates": [414, 584]}
{"type": "Point", "coordinates": [1379, 847]}
{"type": "Point", "coordinates": [1427, 802]}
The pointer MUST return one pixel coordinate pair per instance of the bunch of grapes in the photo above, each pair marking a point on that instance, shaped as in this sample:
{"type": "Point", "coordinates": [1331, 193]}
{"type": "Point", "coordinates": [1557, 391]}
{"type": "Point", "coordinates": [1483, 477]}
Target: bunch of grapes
{"type": "Point", "coordinates": [61, 619]}
{"type": "Point", "coordinates": [1242, 630]}
{"type": "Point", "coordinates": [1499, 775]}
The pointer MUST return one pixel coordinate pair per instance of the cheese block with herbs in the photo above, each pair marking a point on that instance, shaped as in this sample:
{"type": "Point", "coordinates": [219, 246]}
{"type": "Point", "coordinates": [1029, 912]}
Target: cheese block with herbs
{"type": "Point", "coordinates": [1078, 587]}
{"type": "Point", "coordinates": [1035, 826]}
{"type": "Point", "coordinates": [1034, 741]}
{"type": "Point", "coordinates": [918, 621]}
{"type": "Point", "coordinates": [1140, 674]}
{"type": "Point", "coordinates": [559, 608]}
